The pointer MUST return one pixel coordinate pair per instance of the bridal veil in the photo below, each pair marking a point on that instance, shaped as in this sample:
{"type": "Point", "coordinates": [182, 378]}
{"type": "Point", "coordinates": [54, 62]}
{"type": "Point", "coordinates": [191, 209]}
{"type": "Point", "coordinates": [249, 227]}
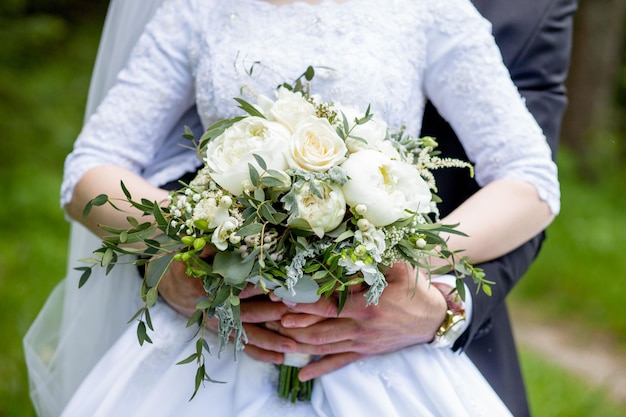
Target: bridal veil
{"type": "Point", "coordinates": [76, 326]}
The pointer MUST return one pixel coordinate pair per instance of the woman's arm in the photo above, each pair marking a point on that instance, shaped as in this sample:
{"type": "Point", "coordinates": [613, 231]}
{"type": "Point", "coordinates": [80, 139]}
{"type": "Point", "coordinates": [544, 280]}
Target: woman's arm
{"type": "Point", "coordinates": [105, 179]}
{"type": "Point", "coordinates": [497, 219]}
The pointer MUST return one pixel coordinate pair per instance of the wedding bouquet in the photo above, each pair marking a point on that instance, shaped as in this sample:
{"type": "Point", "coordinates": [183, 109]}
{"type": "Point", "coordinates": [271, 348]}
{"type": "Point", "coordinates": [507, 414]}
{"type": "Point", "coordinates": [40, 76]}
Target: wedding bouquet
{"type": "Point", "coordinates": [299, 196]}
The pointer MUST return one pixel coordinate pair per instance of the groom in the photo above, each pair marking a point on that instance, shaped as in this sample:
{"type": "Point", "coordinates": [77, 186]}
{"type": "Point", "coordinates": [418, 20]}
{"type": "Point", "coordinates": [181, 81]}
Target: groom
{"type": "Point", "coordinates": [535, 39]}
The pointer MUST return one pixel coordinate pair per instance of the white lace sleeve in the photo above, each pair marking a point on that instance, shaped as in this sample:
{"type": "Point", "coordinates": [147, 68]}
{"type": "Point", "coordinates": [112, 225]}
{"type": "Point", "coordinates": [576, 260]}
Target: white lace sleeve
{"type": "Point", "coordinates": [472, 89]}
{"type": "Point", "coordinates": [152, 92]}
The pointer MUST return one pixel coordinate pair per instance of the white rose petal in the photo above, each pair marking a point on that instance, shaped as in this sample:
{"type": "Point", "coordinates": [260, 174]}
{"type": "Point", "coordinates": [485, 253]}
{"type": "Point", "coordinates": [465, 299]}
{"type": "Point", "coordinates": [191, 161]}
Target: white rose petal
{"type": "Point", "coordinates": [315, 146]}
{"type": "Point", "coordinates": [290, 109]}
{"type": "Point", "coordinates": [228, 155]}
{"type": "Point", "coordinates": [388, 188]}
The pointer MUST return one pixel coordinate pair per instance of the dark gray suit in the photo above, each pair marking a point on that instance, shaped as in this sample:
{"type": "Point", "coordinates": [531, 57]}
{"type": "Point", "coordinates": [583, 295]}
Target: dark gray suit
{"type": "Point", "coordinates": [535, 39]}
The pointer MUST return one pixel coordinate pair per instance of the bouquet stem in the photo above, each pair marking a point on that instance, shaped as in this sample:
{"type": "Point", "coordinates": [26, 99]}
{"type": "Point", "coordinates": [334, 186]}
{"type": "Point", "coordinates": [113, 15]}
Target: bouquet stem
{"type": "Point", "coordinates": [289, 386]}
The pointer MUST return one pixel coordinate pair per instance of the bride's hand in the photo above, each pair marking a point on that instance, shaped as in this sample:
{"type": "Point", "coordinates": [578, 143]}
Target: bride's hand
{"type": "Point", "coordinates": [181, 292]}
{"type": "Point", "coordinates": [406, 315]}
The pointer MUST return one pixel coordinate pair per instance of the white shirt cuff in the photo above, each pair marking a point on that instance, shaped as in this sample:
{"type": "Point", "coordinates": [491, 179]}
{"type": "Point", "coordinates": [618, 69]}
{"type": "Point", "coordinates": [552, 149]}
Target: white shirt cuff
{"type": "Point", "coordinates": [467, 303]}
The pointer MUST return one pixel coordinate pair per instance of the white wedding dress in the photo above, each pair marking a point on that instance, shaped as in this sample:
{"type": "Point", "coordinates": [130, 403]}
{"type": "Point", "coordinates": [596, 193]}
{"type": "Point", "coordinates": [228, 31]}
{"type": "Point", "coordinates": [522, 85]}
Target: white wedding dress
{"type": "Point", "coordinates": [390, 55]}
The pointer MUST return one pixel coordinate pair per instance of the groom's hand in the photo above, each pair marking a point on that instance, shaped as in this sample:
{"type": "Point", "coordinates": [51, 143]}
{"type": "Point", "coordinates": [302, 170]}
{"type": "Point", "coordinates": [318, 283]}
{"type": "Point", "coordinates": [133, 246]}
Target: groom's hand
{"type": "Point", "coordinates": [406, 315]}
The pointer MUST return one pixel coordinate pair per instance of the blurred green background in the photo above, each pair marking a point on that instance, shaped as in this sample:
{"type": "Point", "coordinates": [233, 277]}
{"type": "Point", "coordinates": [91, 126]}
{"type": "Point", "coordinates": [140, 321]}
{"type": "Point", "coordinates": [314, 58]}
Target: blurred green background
{"type": "Point", "coordinates": [47, 50]}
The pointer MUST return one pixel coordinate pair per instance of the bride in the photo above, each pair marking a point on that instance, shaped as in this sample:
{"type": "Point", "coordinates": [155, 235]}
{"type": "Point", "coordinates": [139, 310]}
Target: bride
{"type": "Point", "coordinates": [83, 357]}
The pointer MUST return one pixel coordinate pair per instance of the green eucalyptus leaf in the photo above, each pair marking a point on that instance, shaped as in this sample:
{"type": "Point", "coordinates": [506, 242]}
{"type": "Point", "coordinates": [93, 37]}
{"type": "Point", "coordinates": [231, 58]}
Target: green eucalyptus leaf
{"type": "Point", "coordinates": [267, 211]}
{"type": "Point", "coordinates": [460, 288]}
{"type": "Point", "coordinates": [188, 359]}
{"type": "Point", "coordinates": [254, 174]}
{"type": "Point", "coordinates": [158, 215]}
{"type": "Point", "coordinates": [249, 108]}
{"type": "Point", "coordinates": [259, 195]}
{"type": "Point", "coordinates": [142, 334]}
{"type": "Point", "coordinates": [125, 190]}
{"type": "Point", "coordinates": [250, 229]}
{"type": "Point", "coordinates": [149, 319]}
{"type": "Point", "coordinates": [231, 267]}
{"type": "Point", "coordinates": [107, 257]}
{"type": "Point", "coordinates": [152, 296]}
{"type": "Point", "coordinates": [306, 291]}
{"type": "Point", "coordinates": [259, 160]}
{"type": "Point", "coordinates": [196, 318]}
{"type": "Point", "coordinates": [157, 268]}
{"type": "Point", "coordinates": [234, 300]}
{"type": "Point", "coordinates": [486, 289]}
{"type": "Point", "coordinates": [84, 276]}
{"type": "Point", "coordinates": [137, 314]}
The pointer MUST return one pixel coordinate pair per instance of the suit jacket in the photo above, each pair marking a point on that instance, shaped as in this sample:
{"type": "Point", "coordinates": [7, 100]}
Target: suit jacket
{"type": "Point", "coordinates": [535, 40]}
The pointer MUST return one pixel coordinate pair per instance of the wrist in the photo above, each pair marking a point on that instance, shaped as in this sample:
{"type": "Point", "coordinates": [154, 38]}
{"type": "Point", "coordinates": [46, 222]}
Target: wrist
{"type": "Point", "coordinates": [456, 317]}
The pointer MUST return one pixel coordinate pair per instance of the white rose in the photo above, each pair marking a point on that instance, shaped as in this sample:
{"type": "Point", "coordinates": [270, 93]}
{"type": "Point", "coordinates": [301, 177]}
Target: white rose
{"type": "Point", "coordinates": [315, 146]}
{"type": "Point", "coordinates": [290, 109]}
{"type": "Point", "coordinates": [228, 155]}
{"type": "Point", "coordinates": [387, 188]}
{"type": "Point", "coordinates": [372, 132]}
{"type": "Point", "coordinates": [322, 214]}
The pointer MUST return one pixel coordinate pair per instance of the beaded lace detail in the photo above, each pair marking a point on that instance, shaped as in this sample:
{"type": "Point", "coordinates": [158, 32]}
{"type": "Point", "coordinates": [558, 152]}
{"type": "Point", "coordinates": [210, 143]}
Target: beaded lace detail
{"type": "Point", "coordinates": [391, 54]}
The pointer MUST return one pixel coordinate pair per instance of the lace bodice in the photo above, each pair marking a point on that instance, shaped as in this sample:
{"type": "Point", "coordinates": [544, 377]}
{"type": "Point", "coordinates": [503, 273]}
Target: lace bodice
{"type": "Point", "coordinates": [392, 54]}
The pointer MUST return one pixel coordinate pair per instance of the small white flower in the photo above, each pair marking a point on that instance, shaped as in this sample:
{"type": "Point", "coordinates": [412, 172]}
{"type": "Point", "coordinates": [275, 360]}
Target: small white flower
{"type": "Point", "coordinates": [361, 209]}
{"type": "Point", "coordinates": [210, 211]}
{"type": "Point", "coordinates": [234, 238]}
{"type": "Point", "coordinates": [222, 233]}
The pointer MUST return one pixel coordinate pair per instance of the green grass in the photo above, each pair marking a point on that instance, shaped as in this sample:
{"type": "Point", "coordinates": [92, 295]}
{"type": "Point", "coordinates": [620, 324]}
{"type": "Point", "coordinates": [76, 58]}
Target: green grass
{"type": "Point", "coordinates": [555, 393]}
{"type": "Point", "coordinates": [44, 79]}
{"type": "Point", "coordinates": [44, 75]}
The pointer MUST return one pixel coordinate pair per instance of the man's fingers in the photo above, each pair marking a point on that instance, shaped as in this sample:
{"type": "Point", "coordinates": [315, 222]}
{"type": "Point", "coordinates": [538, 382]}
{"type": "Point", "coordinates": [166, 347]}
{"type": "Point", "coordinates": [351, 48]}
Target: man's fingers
{"type": "Point", "coordinates": [297, 321]}
{"type": "Point", "coordinates": [321, 334]}
{"type": "Point", "coordinates": [327, 364]}
{"type": "Point", "coordinates": [262, 338]}
{"type": "Point", "coordinates": [261, 310]}
{"type": "Point", "coordinates": [251, 291]}
{"type": "Point", "coordinates": [264, 355]}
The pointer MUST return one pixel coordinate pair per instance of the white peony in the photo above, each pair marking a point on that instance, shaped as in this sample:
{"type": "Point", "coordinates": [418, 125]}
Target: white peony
{"type": "Point", "coordinates": [386, 187]}
{"type": "Point", "coordinates": [322, 214]}
{"type": "Point", "coordinates": [228, 155]}
{"type": "Point", "coordinates": [315, 146]}
{"type": "Point", "coordinates": [290, 109]}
